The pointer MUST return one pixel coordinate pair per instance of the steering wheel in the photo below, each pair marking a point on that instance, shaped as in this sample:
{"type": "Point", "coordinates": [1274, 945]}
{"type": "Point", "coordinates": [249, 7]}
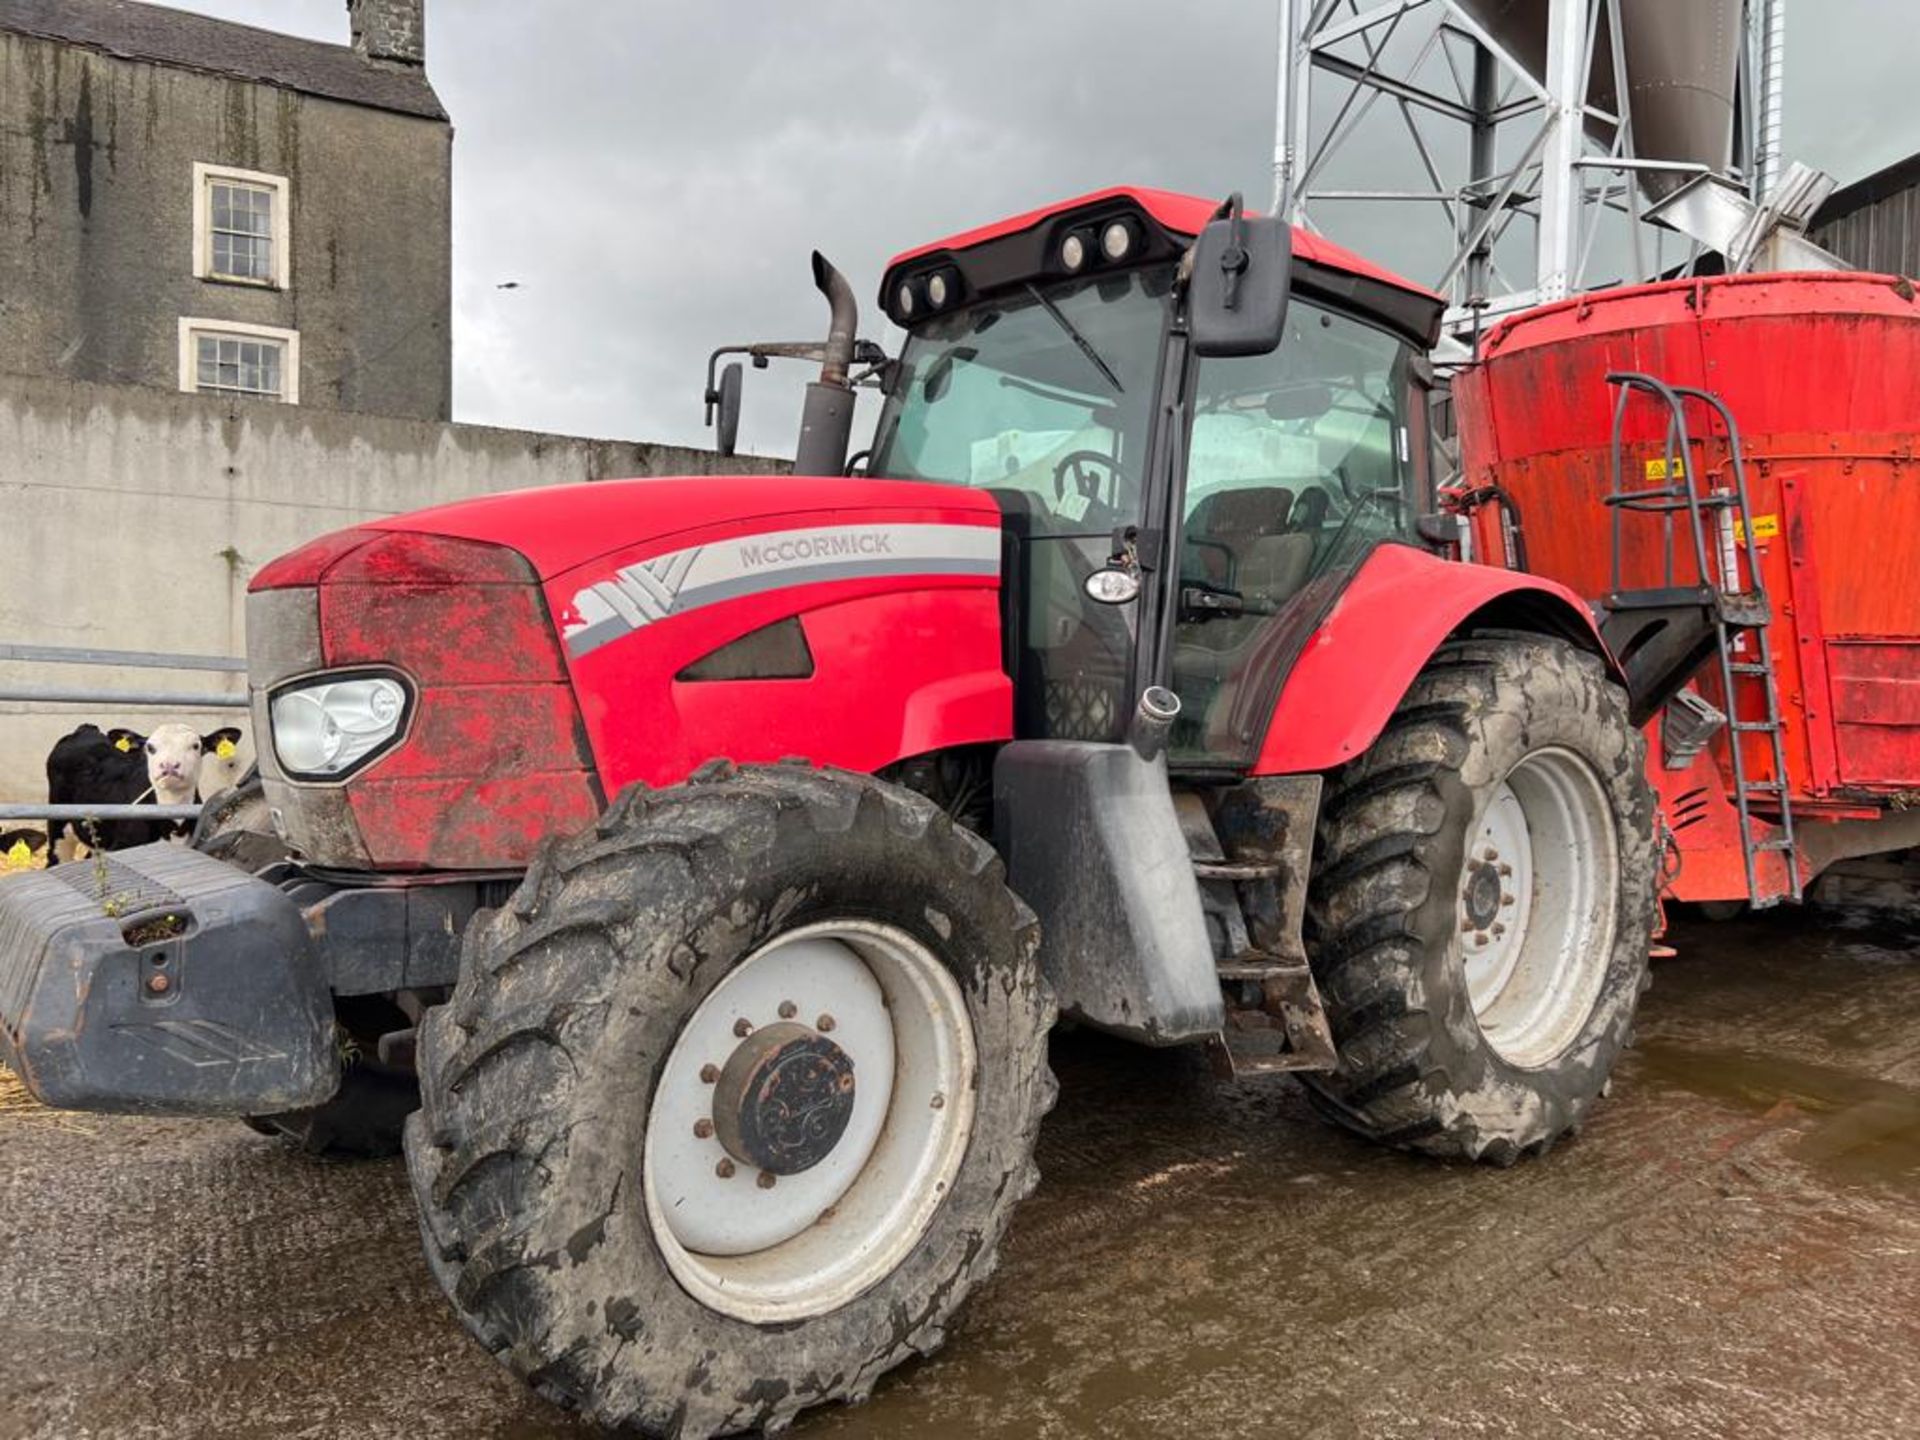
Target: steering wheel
{"type": "Point", "coordinates": [1083, 466]}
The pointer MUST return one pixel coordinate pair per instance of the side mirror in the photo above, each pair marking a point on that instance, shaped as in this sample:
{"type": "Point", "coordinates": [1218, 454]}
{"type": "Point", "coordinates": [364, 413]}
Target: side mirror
{"type": "Point", "coordinates": [1237, 293]}
{"type": "Point", "coordinates": [728, 399]}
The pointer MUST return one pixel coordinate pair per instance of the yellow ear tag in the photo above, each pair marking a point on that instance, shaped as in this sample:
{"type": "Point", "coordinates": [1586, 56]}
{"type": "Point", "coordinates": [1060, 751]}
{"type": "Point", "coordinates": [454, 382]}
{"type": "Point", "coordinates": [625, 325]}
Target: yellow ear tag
{"type": "Point", "coordinates": [224, 749]}
{"type": "Point", "coordinates": [19, 856]}
{"type": "Point", "coordinates": [123, 744]}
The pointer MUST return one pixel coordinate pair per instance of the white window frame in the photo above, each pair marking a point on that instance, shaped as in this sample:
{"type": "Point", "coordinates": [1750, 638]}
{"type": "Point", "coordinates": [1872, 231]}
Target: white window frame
{"type": "Point", "coordinates": [203, 177]}
{"type": "Point", "coordinates": [191, 329]}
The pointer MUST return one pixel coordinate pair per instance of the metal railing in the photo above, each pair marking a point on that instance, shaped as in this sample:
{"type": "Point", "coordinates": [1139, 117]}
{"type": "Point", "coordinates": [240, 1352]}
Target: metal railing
{"type": "Point", "coordinates": [127, 699]}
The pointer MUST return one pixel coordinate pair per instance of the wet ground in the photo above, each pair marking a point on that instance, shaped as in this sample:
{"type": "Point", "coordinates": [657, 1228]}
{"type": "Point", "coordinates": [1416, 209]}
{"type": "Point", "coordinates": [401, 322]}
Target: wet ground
{"type": "Point", "coordinates": [1731, 1249]}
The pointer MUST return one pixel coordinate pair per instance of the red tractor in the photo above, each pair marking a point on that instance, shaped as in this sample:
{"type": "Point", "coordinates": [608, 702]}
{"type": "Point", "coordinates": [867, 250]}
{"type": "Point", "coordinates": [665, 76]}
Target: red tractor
{"type": "Point", "coordinates": [717, 850]}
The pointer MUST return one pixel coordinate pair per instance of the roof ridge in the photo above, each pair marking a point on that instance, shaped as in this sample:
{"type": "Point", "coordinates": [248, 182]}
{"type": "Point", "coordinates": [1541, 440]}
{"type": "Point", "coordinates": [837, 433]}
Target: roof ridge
{"type": "Point", "coordinates": [153, 34]}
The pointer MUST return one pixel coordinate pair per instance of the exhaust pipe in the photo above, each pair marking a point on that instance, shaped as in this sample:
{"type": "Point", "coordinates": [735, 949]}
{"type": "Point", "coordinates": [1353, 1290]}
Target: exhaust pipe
{"type": "Point", "coordinates": [1152, 721]}
{"type": "Point", "coordinates": [826, 419]}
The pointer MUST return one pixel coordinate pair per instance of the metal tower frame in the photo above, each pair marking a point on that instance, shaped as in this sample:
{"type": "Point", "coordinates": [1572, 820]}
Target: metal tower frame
{"type": "Point", "coordinates": [1340, 59]}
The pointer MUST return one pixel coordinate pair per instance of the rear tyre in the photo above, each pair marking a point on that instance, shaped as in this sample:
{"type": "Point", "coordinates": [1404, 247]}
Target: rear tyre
{"type": "Point", "coordinates": [1483, 903]}
{"type": "Point", "coordinates": [734, 1100]}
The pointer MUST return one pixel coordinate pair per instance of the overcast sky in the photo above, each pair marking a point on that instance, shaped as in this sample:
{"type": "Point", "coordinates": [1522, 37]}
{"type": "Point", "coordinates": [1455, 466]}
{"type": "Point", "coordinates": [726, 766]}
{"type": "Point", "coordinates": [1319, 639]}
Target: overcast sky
{"type": "Point", "coordinates": [653, 173]}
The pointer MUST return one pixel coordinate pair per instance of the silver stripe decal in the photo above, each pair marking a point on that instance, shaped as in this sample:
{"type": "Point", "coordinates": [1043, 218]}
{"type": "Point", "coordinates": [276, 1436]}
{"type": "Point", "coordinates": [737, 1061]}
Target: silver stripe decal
{"type": "Point", "coordinates": [684, 580]}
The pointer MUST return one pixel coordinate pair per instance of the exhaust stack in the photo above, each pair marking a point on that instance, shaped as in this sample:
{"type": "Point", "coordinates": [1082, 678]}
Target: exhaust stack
{"type": "Point", "coordinates": [826, 419]}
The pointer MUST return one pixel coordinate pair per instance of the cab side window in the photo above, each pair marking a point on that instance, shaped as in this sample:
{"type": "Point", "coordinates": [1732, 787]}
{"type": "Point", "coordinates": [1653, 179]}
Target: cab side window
{"type": "Point", "coordinates": [1310, 441]}
{"type": "Point", "coordinates": [1299, 463]}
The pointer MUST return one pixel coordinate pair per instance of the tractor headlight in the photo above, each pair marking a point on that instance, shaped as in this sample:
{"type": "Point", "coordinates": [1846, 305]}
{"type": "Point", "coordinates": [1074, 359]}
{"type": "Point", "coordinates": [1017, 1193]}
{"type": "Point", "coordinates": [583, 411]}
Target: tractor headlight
{"type": "Point", "coordinates": [326, 728]}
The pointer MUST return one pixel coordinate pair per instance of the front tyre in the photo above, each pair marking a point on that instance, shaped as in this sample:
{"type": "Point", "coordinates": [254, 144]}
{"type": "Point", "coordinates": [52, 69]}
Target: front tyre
{"type": "Point", "coordinates": [733, 1101]}
{"type": "Point", "coordinates": [1483, 902]}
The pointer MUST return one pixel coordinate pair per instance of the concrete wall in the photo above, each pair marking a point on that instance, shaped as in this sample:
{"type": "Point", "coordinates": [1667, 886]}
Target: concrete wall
{"type": "Point", "coordinates": [96, 227]}
{"type": "Point", "coordinates": [131, 519]}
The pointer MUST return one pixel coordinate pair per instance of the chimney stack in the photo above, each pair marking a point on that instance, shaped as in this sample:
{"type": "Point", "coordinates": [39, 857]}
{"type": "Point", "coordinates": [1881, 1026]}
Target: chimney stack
{"type": "Point", "coordinates": [394, 31]}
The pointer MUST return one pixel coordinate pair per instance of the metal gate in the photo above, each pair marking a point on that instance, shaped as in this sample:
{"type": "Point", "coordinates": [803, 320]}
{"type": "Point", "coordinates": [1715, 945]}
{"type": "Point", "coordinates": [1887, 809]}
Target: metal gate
{"type": "Point", "coordinates": [115, 699]}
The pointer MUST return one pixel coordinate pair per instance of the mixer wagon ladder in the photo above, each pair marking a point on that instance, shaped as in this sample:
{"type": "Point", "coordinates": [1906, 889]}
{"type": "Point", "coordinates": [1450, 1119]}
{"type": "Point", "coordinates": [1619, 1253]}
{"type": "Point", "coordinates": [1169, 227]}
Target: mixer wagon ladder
{"type": "Point", "coordinates": [1664, 634]}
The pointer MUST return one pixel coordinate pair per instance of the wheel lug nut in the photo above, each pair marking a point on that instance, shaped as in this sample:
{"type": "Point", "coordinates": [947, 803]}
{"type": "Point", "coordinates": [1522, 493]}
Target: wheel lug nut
{"type": "Point", "coordinates": [1490, 855]}
{"type": "Point", "coordinates": [1480, 937]}
{"type": "Point", "coordinates": [767, 1180]}
{"type": "Point", "coordinates": [1467, 924]}
{"type": "Point", "coordinates": [1506, 899]}
{"type": "Point", "coordinates": [703, 1129]}
{"type": "Point", "coordinates": [724, 1169]}
{"type": "Point", "coordinates": [709, 1073]}
{"type": "Point", "coordinates": [1505, 870]}
{"type": "Point", "coordinates": [938, 1102]}
{"type": "Point", "coordinates": [743, 1027]}
{"type": "Point", "coordinates": [824, 1024]}
{"type": "Point", "coordinates": [1498, 931]}
{"type": "Point", "coordinates": [788, 1009]}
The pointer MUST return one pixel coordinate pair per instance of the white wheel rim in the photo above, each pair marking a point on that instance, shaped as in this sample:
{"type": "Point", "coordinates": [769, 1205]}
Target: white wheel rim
{"type": "Point", "coordinates": [1536, 907]}
{"type": "Point", "coordinates": [813, 1240]}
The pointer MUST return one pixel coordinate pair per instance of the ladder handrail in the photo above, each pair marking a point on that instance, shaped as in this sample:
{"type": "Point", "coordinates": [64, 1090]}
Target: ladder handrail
{"type": "Point", "coordinates": [1620, 499]}
{"type": "Point", "coordinates": [1679, 442]}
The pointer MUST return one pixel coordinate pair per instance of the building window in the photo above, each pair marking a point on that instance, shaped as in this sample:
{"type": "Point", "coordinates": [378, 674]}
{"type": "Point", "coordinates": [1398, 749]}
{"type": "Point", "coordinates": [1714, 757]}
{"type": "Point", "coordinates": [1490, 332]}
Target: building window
{"type": "Point", "coordinates": [219, 357]}
{"type": "Point", "coordinates": [240, 226]}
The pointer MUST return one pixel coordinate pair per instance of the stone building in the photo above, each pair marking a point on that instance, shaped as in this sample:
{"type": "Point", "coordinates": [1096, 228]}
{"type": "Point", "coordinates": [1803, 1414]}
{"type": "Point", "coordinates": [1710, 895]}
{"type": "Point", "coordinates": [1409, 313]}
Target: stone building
{"type": "Point", "coordinates": [193, 204]}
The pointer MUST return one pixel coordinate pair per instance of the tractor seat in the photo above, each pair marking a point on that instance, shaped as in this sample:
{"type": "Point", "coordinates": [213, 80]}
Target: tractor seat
{"type": "Point", "coordinates": [1244, 543]}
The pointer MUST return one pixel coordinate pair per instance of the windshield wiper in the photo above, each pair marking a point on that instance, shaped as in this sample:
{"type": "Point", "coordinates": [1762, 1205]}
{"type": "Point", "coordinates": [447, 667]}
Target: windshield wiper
{"type": "Point", "coordinates": [1086, 348]}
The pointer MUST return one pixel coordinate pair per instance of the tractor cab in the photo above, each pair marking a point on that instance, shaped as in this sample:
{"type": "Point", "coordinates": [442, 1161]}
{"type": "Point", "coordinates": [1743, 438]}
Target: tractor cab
{"type": "Point", "coordinates": [1174, 516]}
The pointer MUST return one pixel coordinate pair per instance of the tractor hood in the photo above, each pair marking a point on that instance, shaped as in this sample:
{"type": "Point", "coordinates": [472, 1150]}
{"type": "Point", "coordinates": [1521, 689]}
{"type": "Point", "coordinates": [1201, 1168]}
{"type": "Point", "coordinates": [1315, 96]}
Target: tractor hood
{"type": "Point", "coordinates": [441, 690]}
{"type": "Point", "coordinates": [560, 528]}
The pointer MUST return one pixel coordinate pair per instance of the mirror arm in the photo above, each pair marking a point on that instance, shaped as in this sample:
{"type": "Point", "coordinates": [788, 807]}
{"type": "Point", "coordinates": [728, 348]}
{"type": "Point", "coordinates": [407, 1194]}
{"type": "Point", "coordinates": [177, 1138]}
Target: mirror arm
{"type": "Point", "coordinates": [1233, 259]}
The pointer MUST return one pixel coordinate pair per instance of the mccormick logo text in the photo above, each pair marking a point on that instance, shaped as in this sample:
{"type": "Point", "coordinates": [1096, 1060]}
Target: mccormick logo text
{"type": "Point", "coordinates": [822, 546]}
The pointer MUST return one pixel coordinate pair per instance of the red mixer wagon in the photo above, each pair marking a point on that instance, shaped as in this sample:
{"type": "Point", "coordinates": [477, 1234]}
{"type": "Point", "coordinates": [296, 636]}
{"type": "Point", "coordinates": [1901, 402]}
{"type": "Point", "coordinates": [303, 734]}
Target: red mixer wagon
{"type": "Point", "coordinates": [1726, 466]}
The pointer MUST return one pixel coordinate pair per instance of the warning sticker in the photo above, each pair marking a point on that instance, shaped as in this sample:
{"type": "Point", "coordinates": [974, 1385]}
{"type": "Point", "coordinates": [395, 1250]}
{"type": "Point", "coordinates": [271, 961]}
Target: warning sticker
{"type": "Point", "coordinates": [1657, 469]}
{"type": "Point", "coordinates": [1765, 527]}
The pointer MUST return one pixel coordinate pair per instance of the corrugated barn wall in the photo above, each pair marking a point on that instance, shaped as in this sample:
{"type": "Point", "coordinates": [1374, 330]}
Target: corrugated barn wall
{"type": "Point", "coordinates": [1875, 223]}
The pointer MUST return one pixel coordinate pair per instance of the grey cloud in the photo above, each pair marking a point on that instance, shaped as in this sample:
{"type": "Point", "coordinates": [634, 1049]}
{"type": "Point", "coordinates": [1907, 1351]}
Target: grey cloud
{"type": "Point", "coordinates": [653, 175]}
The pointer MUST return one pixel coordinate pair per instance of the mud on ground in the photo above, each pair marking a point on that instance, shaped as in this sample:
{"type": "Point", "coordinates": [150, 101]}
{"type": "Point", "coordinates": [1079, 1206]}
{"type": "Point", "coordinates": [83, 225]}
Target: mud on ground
{"type": "Point", "coordinates": [1732, 1248]}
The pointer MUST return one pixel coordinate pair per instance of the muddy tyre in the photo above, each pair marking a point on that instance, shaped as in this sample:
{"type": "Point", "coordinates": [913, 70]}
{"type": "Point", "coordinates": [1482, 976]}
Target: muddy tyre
{"type": "Point", "coordinates": [1482, 903]}
{"type": "Point", "coordinates": [733, 1101]}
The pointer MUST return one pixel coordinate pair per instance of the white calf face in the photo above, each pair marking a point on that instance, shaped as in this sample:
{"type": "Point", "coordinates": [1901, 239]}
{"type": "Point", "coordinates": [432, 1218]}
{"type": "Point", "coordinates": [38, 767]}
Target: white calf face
{"type": "Point", "coordinates": [173, 762]}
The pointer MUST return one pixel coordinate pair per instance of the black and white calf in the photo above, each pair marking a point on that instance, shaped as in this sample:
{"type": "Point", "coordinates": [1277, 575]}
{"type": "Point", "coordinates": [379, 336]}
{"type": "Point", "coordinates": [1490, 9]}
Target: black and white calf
{"type": "Point", "coordinates": [170, 766]}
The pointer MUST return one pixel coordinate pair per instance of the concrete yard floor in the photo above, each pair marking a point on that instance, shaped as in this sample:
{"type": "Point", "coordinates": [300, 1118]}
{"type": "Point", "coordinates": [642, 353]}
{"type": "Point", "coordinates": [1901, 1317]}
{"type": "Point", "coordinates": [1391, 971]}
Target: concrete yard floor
{"type": "Point", "coordinates": [1731, 1249]}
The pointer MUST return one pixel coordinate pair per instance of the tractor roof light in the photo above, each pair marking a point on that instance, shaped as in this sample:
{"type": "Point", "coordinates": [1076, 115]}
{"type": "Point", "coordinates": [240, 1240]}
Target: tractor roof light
{"type": "Point", "coordinates": [1075, 250]}
{"type": "Point", "coordinates": [942, 286]}
{"type": "Point", "coordinates": [1119, 239]}
{"type": "Point", "coordinates": [906, 300]}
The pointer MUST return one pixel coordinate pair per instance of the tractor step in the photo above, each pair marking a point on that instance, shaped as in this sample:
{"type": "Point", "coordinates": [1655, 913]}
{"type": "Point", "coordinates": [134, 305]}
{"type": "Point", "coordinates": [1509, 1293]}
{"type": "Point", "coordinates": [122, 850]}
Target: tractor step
{"type": "Point", "coordinates": [1286, 1030]}
{"type": "Point", "coordinates": [1235, 870]}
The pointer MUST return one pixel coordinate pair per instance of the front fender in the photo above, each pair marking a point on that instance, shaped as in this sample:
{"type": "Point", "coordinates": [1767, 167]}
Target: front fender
{"type": "Point", "coordinates": [1398, 608]}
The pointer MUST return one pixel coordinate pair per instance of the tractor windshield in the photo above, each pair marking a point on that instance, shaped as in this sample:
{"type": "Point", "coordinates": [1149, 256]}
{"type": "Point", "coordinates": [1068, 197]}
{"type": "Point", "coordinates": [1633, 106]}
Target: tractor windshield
{"type": "Point", "coordinates": [1044, 397]}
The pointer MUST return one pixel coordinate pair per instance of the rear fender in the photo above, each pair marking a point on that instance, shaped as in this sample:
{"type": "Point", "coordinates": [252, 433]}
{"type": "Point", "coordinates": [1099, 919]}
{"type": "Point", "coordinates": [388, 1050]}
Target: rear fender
{"type": "Point", "coordinates": [1400, 606]}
